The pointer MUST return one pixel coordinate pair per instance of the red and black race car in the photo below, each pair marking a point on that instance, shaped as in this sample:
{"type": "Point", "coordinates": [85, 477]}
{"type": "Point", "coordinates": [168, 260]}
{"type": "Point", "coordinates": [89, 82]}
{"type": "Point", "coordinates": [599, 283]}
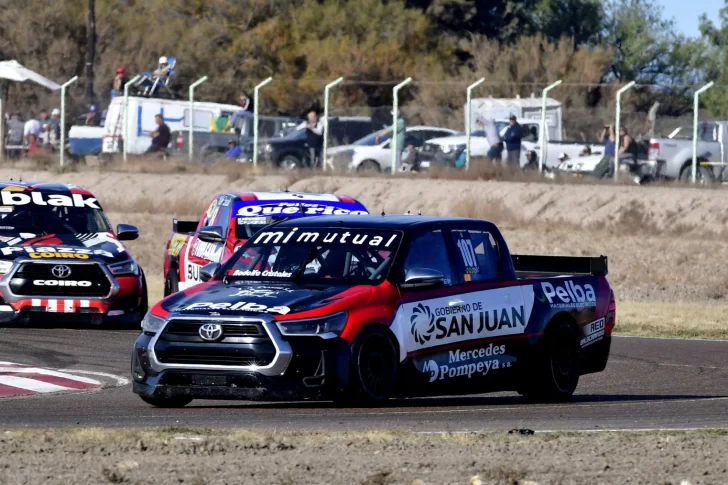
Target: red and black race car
{"type": "Point", "coordinates": [373, 307]}
{"type": "Point", "coordinates": [61, 260]}
{"type": "Point", "coordinates": [229, 220]}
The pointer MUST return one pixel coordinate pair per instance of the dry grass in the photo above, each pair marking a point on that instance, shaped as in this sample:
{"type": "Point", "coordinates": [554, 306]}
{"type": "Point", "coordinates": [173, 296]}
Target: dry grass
{"type": "Point", "coordinates": [684, 320]}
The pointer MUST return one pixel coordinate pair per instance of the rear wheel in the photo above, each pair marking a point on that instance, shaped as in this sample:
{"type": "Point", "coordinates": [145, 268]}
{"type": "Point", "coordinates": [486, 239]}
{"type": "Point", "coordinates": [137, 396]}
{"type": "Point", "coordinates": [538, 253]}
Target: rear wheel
{"type": "Point", "coordinates": [554, 374]}
{"type": "Point", "coordinates": [374, 366]}
{"type": "Point", "coordinates": [289, 162]}
{"type": "Point", "coordinates": [171, 284]}
{"type": "Point", "coordinates": [167, 402]}
{"type": "Point", "coordinates": [703, 175]}
{"type": "Point", "coordinates": [368, 166]}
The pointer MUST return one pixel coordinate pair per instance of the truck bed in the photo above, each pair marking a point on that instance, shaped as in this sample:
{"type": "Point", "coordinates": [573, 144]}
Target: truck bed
{"type": "Point", "coordinates": [534, 266]}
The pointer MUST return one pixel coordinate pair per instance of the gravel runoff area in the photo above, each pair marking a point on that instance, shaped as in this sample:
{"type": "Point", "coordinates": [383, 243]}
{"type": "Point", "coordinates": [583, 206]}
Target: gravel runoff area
{"type": "Point", "coordinates": [206, 457]}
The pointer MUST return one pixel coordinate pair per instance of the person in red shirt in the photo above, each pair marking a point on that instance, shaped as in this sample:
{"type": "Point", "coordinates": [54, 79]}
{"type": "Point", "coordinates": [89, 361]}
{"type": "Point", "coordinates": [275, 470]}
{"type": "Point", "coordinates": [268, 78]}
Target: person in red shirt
{"type": "Point", "coordinates": [33, 145]}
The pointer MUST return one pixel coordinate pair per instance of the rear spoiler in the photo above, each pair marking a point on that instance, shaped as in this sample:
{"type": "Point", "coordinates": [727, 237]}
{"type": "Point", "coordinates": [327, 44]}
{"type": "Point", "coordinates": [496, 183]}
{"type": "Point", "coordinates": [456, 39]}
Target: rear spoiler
{"type": "Point", "coordinates": [184, 227]}
{"type": "Point", "coordinates": [559, 265]}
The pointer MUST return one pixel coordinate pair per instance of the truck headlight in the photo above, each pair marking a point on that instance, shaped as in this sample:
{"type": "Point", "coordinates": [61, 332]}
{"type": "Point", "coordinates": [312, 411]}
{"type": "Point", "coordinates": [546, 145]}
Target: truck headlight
{"type": "Point", "coordinates": [6, 266]}
{"type": "Point", "coordinates": [326, 327]}
{"type": "Point", "coordinates": [125, 267]}
{"type": "Point", "coordinates": [152, 323]}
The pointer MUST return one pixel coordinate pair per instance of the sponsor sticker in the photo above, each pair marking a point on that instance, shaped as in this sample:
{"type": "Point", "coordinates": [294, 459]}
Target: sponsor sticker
{"type": "Point", "coordinates": [260, 292]}
{"type": "Point", "coordinates": [373, 239]}
{"type": "Point", "coordinates": [477, 315]}
{"type": "Point", "coordinates": [39, 252]}
{"type": "Point", "coordinates": [255, 273]}
{"type": "Point", "coordinates": [568, 295]}
{"type": "Point", "coordinates": [288, 209]}
{"type": "Point", "coordinates": [11, 198]}
{"type": "Point", "coordinates": [84, 284]}
{"type": "Point", "coordinates": [244, 221]}
{"type": "Point", "coordinates": [466, 363]}
{"type": "Point", "coordinates": [205, 250]}
{"type": "Point", "coordinates": [239, 306]}
{"type": "Point", "coordinates": [593, 332]}
{"type": "Point", "coordinates": [175, 245]}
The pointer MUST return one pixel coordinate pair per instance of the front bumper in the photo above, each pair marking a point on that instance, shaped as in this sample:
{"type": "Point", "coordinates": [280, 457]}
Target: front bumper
{"type": "Point", "coordinates": [121, 305]}
{"type": "Point", "coordinates": [302, 368]}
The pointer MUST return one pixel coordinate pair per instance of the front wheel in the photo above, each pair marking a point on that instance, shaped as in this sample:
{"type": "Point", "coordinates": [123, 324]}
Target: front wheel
{"type": "Point", "coordinates": [554, 374]}
{"type": "Point", "coordinates": [171, 284]}
{"type": "Point", "coordinates": [369, 166]}
{"type": "Point", "coordinates": [375, 366]}
{"type": "Point", "coordinates": [167, 402]}
{"type": "Point", "coordinates": [289, 162]}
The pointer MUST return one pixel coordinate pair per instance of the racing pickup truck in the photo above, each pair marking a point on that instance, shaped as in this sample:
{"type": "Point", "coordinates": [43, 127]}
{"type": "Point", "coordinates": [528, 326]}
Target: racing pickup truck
{"type": "Point", "coordinates": [229, 220]}
{"type": "Point", "coordinates": [371, 307]}
{"type": "Point", "coordinates": [61, 261]}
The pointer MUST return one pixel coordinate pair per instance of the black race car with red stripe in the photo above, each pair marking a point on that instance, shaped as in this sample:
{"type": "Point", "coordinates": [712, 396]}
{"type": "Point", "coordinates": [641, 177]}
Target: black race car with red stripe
{"type": "Point", "coordinates": [372, 307]}
{"type": "Point", "coordinates": [61, 260]}
{"type": "Point", "coordinates": [229, 220]}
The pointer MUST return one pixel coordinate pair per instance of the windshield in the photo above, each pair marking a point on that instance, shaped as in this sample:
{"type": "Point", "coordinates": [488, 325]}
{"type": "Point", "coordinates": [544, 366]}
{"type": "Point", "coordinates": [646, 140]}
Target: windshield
{"type": "Point", "coordinates": [324, 256]}
{"type": "Point", "coordinates": [47, 219]}
{"type": "Point", "coordinates": [371, 139]}
{"type": "Point", "coordinates": [245, 227]}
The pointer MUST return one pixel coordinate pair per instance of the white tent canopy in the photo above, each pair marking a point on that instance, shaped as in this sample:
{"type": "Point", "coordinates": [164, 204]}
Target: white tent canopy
{"type": "Point", "coordinates": [14, 71]}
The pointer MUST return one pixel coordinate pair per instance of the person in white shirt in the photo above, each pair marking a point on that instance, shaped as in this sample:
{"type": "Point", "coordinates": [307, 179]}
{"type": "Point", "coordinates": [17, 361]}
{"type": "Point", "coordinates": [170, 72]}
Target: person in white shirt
{"type": "Point", "coordinates": [314, 134]}
{"type": "Point", "coordinates": [32, 127]}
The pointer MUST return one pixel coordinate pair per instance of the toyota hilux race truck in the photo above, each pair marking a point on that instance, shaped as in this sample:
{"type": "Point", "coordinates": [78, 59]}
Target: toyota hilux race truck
{"type": "Point", "coordinates": [61, 260]}
{"type": "Point", "coordinates": [371, 307]}
{"type": "Point", "coordinates": [229, 220]}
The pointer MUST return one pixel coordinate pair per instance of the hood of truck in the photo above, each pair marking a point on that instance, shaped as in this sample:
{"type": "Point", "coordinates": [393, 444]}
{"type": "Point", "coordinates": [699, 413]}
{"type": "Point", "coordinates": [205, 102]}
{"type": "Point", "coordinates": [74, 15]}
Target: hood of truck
{"type": "Point", "coordinates": [251, 298]}
{"type": "Point", "coordinates": [100, 246]}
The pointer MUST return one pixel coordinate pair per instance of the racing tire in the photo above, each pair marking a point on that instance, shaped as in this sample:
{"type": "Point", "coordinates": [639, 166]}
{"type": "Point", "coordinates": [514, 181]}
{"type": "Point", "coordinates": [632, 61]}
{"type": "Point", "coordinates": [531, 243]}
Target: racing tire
{"type": "Point", "coordinates": [167, 402]}
{"type": "Point", "coordinates": [171, 284]}
{"type": "Point", "coordinates": [368, 166]}
{"type": "Point", "coordinates": [704, 175]}
{"type": "Point", "coordinates": [554, 373]}
{"type": "Point", "coordinates": [374, 371]}
{"type": "Point", "coordinates": [290, 162]}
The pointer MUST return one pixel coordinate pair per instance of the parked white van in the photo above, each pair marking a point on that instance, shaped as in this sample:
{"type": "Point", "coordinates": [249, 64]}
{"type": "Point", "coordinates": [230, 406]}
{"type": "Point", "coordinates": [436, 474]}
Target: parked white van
{"type": "Point", "coordinates": [176, 114]}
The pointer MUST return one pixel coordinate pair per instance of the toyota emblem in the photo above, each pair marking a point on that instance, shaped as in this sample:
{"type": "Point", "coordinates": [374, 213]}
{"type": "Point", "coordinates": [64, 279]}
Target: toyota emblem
{"type": "Point", "coordinates": [211, 332]}
{"type": "Point", "coordinates": [61, 271]}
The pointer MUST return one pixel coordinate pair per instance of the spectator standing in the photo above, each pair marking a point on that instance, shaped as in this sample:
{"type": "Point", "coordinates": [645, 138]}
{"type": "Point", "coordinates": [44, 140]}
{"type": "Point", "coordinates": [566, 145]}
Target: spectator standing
{"type": "Point", "coordinates": [32, 127]}
{"type": "Point", "coordinates": [410, 162]}
{"type": "Point", "coordinates": [513, 138]}
{"type": "Point", "coordinates": [246, 106]}
{"type": "Point", "coordinates": [400, 125]}
{"type": "Point", "coordinates": [55, 127]}
{"type": "Point", "coordinates": [606, 164]}
{"type": "Point", "coordinates": [495, 152]}
{"type": "Point", "coordinates": [160, 137]}
{"type": "Point", "coordinates": [117, 85]}
{"type": "Point", "coordinates": [314, 135]}
{"type": "Point", "coordinates": [16, 133]}
{"type": "Point", "coordinates": [45, 127]}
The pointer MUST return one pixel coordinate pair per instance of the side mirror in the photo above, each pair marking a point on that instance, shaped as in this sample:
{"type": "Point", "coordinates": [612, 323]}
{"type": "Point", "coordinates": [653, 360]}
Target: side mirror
{"type": "Point", "coordinates": [423, 278]}
{"type": "Point", "coordinates": [126, 232]}
{"type": "Point", "coordinates": [208, 271]}
{"type": "Point", "coordinates": [211, 234]}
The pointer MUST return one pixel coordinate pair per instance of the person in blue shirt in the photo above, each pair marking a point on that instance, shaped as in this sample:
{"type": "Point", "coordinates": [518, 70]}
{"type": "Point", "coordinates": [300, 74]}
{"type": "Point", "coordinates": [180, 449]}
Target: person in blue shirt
{"type": "Point", "coordinates": [606, 165]}
{"type": "Point", "coordinates": [233, 150]}
{"type": "Point", "coordinates": [512, 138]}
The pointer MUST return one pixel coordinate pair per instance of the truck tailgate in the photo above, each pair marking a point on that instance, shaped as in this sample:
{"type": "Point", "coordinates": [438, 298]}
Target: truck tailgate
{"type": "Point", "coordinates": [533, 266]}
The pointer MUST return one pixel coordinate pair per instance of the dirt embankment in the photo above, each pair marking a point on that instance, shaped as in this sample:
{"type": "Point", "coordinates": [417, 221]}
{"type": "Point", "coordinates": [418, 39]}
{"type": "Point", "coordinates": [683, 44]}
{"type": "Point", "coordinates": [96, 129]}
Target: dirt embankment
{"type": "Point", "coordinates": [665, 243]}
{"type": "Point", "coordinates": [376, 458]}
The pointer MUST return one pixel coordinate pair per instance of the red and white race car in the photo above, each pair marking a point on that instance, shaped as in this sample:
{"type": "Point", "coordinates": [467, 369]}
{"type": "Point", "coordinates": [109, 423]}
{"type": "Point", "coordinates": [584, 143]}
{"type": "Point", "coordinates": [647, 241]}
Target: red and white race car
{"type": "Point", "coordinates": [230, 220]}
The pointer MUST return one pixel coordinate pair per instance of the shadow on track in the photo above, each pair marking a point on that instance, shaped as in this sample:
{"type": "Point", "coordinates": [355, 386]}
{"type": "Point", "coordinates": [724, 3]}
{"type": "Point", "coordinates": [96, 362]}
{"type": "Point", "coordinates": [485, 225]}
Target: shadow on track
{"type": "Point", "coordinates": [464, 401]}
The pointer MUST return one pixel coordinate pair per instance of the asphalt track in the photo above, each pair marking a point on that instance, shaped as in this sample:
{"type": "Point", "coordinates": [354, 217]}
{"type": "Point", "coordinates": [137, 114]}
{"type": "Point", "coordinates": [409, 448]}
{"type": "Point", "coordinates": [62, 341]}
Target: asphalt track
{"type": "Point", "coordinates": [648, 384]}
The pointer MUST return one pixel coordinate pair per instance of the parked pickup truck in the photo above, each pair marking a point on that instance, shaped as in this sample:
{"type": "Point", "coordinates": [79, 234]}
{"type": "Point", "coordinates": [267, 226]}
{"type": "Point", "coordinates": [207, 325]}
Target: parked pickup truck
{"type": "Point", "coordinates": [371, 307]}
{"type": "Point", "coordinates": [229, 220]}
{"type": "Point", "coordinates": [450, 151]}
{"type": "Point", "coordinates": [675, 153]}
{"type": "Point", "coordinates": [209, 145]}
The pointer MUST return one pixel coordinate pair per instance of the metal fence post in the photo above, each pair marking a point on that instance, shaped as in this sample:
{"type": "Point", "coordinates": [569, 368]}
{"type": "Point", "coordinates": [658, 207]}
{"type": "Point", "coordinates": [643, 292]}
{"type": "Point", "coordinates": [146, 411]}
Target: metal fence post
{"type": "Point", "coordinates": [542, 137]}
{"type": "Point", "coordinates": [63, 116]}
{"type": "Point", "coordinates": [191, 149]}
{"type": "Point", "coordinates": [468, 124]}
{"type": "Point", "coordinates": [255, 119]}
{"type": "Point", "coordinates": [326, 120]}
{"type": "Point", "coordinates": [125, 116]}
{"type": "Point", "coordinates": [395, 118]}
{"type": "Point", "coordinates": [3, 87]}
{"type": "Point", "coordinates": [695, 127]}
{"type": "Point", "coordinates": [617, 121]}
